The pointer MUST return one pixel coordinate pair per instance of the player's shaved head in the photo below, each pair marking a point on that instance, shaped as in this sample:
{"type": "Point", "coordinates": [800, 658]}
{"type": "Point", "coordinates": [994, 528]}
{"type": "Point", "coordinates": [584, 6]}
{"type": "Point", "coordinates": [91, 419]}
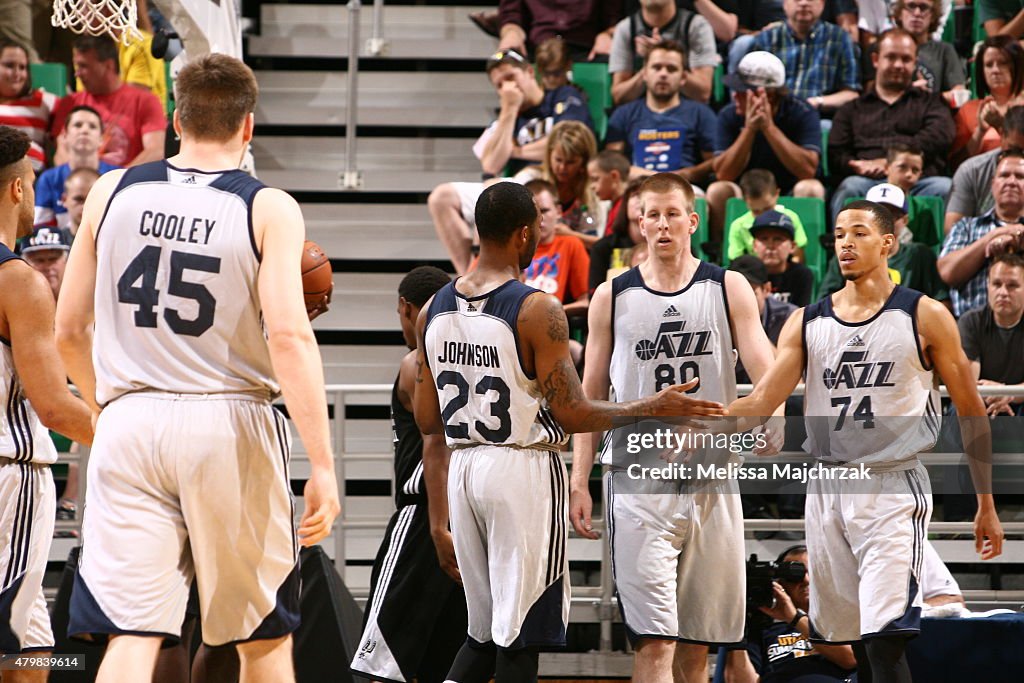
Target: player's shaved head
{"type": "Point", "coordinates": [14, 146]}
{"type": "Point", "coordinates": [503, 209]}
{"type": "Point", "coordinates": [213, 96]}
{"type": "Point", "coordinates": [881, 217]}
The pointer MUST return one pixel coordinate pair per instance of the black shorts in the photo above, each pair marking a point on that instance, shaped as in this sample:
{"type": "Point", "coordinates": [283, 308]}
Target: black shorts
{"type": "Point", "coordinates": [410, 595]}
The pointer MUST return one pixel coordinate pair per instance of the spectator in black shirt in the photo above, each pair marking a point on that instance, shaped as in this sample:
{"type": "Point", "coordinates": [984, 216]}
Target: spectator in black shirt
{"type": "Point", "coordinates": [993, 335]}
{"type": "Point", "coordinates": [774, 313]}
{"type": "Point", "coordinates": [773, 243]}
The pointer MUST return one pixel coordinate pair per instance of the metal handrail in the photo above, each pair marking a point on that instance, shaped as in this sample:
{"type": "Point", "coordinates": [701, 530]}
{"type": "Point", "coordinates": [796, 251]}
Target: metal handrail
{"type": "Point", "coordinates": [351, 178]}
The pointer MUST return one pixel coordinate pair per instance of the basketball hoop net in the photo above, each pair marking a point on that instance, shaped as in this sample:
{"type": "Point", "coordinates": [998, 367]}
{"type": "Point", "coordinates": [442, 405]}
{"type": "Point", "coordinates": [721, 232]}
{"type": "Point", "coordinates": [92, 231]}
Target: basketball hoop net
{"type": "Point", "coordinates": [116, 18]}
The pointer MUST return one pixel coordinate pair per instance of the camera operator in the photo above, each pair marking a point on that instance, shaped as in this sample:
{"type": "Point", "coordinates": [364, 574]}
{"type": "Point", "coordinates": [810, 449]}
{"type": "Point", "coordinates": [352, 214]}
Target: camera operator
{"type": "Point", "coordinates": [782, 651]}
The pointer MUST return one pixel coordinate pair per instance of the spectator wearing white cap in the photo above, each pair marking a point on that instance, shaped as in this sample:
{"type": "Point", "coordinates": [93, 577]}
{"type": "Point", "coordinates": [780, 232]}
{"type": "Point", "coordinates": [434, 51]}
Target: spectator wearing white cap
{"type": "Point", "coordinates": [911, 264]}
{"type": "Point", "coordinates": [764, 127]}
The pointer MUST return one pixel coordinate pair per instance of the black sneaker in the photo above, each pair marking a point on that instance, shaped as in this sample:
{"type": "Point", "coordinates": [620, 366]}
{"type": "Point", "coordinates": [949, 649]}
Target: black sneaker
{"type": "Point", "coordinates": [67, 510]}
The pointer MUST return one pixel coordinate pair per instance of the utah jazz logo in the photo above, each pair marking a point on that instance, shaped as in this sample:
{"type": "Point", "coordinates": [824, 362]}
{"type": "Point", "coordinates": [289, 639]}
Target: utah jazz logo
{"type": "Point", "coordinates": [673, 342]}
{"type": "Point", "coordinates": [856, 372]}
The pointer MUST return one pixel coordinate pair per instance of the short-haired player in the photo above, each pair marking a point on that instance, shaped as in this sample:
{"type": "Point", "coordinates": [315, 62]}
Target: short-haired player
{"type": "Point", "coordinates": [872, 355]}
{"type": "Point", "coordinates": [496, 379]}
{"type": "Point", "coordinates": [190, 270]}
{"type": "Point", "coordinates": [677, 558]}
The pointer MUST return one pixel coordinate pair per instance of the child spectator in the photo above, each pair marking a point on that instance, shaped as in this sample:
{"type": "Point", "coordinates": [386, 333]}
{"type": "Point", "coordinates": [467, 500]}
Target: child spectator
{"type": "Point", "coordinates": [773, 244]}
{"type": "Point", "coordinates": [610, 255]}
{"type": "Point", "coordinates": [83, 136]}
{"type": "Point", "coordinates": [76, 189]}
{"type": "Point", "coordinates": [553, 63]}
{"type": "Point", "coordinates": [560, 264]}
{"type": "Point", "coordinates": [609, 173]}
{"type": "Point", "coordinates": [903, 165]}
{"type": "Point", "coordinates": [761, 193]}
{"type": "Point", "coordinates": [911, 264]}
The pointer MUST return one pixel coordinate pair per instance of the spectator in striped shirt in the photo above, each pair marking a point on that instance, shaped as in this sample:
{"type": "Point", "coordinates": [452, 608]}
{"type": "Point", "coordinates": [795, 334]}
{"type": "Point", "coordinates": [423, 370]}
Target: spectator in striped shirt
{"type": "Point", "coordinates": [21, 107]}
{"type": "Point", "coordinates": [975, 240]}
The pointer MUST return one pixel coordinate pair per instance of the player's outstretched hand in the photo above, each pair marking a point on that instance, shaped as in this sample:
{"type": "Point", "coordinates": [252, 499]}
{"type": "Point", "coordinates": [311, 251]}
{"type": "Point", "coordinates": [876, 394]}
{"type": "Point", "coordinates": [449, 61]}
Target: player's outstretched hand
{"type": "Point", "coordinates": [988, 534]}
{"type": "Point", "coordinates": [322, 506]}
{"type": "Point", "coordinates": [580, 508]}
{"type": "Point", "coordinates": [446, 554]}
{"type": "Point", "coordinates": [674, 401]}
{"type": "Point", "coordinates": [774, 431]}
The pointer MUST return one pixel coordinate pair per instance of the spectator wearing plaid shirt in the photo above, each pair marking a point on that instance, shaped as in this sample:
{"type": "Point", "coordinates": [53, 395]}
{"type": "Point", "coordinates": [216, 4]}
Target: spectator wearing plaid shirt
{"type": "Point", "coordinates": [821, 63]}
{"type": "Point", "coordinates": [973, 241]}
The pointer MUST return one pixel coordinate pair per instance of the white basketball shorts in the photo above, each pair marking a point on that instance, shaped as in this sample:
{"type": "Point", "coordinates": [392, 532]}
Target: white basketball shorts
{"type": "Point", "coordinates": [182, 485]}
{"type": "Point", "coordinates": [865, 547]}
{"type": "Point", "coordinates": [28, 506]}
{"type": "Point", "coordinates": [509, 510]}
{"type": "Point", "coordinates": [678, 561]}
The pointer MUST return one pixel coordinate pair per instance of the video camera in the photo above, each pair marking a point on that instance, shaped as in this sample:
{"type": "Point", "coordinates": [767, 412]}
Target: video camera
{"type": "Point", "coordinates": [760, 576]}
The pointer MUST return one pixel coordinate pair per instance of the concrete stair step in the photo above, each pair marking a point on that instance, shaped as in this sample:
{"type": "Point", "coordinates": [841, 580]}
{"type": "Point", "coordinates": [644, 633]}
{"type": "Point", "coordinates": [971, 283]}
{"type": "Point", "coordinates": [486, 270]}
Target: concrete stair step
{"type": "Point", "coordinates": [451, 155]}
{"type": "Point", "coordinates": [373, 231]}
{"type": "Point", "coordinates": [362, 301]}
{"type": "Point", "coordinates": [399, 98]}
{"type": "Point", "coordinates": [379, 180]}
{"type": "Point", "coordinates": [411, 31]}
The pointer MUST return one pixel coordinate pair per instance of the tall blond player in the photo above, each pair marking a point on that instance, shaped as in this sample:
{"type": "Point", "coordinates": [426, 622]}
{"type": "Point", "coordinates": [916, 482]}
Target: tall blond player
{"type": "Point", "coordinates": [190, 270]}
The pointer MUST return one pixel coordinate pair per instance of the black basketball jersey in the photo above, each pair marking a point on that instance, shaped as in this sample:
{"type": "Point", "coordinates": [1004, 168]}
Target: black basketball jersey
{"type": "Point", "coordinates": [409, 489]}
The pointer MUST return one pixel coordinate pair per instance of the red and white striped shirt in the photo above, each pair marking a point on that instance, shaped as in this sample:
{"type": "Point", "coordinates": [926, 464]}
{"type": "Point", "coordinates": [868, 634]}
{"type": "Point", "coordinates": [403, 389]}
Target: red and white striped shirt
{"type": "Point", "coordinates": [31, 115]}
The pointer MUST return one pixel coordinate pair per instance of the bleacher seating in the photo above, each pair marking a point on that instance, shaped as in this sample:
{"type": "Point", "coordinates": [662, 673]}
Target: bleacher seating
{"type": "Point", "coordinates": [596, 82]}
{"type": "Point", "coordinates": [53, 78]}
{"type": "Point", "coordinates": [812, 215]}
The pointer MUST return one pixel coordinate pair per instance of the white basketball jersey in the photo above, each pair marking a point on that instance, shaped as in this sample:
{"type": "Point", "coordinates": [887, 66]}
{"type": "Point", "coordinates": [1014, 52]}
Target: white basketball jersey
{"type": "Point", "coordinates": [870, 395]}
{"type": "Point", "coordinates": [472, 349]}
{"type": "Point", "coordinates": [177, 307]}
{"type": "Point", "coordinates": [666, 338]}
{"type": "Point", "coordinates": [23, 438]}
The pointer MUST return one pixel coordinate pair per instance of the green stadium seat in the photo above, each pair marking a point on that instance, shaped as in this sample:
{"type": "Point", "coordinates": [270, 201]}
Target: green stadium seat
{"type": "Point", "coordinates": [823, 158]}
{"type": "Point", "coordinates": [700, 205]}
{"type": "Point", "coordinates": [594, 80]}
{"type": "Point", "coordinates": [51, 77]}
{"type": "Point", "coordinates": [718, 87]}
{"type": "Point", "coordinates": [170, 89]}
{"type": "Point", "coordinates": [812, 215]}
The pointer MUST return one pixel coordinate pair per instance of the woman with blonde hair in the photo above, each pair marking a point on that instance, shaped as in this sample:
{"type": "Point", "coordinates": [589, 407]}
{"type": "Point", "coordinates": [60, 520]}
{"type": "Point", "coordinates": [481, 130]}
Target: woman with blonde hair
{"type": "Point", "coordinates": [571, 146]}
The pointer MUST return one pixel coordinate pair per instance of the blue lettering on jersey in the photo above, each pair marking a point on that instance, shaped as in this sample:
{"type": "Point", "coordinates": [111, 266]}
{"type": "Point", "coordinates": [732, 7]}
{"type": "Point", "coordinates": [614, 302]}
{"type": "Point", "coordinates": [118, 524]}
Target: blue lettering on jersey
{"type": "Point", "coordinates": [673, 341]}
{"type": "Point", "coordinates": [176, 228]}
{"type": "Point", "coordinates": [856, 372]}
{"type": "Point", "coordinates": [475, 355]}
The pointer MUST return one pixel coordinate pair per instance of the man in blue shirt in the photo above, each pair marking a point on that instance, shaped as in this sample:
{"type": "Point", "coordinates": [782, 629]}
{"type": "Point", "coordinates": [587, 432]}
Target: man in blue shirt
{"type": "Point", "coordinates": [821, 62]}
{"type": "Point", "coordinates": [664, 132]}
{"type": "Point", "coordinates": [763, 127]}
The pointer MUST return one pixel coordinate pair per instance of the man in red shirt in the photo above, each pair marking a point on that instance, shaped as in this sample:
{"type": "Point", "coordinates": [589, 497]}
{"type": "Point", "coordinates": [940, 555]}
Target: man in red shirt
{"type": "Point", "coordinates": [134, 124]}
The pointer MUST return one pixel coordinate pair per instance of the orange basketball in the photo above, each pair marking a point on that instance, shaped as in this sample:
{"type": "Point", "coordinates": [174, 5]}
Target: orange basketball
{"type": "Point", "coordinates": [317, 278]}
